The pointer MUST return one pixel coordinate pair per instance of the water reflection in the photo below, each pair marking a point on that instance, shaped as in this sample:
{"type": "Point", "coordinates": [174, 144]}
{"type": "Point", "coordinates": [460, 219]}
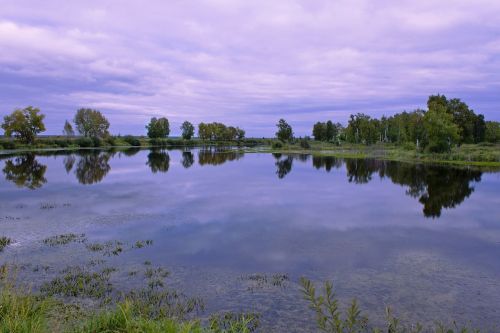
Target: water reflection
{"type": "Point", "coordinates": [214, 156]}
{"type": "Point", "coordinates": [92, 167]}
{"type": "Point", "coordinates": [69, 162]}
{"type": "Point", "coordinates": [25, 171]}
{"type": "Point", "coordinates": [436, 187]}
{"type": "Point", "coordinates": [130, 151]}
{"type": "Point", "coordinates": [158, 161]}
{"type": "Point", "coordinates": [283, 166]}
{"type": "Point", "coordinates": [326, 162]}
{"type": "Point", "coordinates": [187, 159]}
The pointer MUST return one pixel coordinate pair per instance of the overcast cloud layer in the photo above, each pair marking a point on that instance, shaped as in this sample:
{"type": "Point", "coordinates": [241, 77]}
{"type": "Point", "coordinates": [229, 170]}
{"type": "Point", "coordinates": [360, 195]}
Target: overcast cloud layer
{"type": "Point", "coordinates": [246, 63]}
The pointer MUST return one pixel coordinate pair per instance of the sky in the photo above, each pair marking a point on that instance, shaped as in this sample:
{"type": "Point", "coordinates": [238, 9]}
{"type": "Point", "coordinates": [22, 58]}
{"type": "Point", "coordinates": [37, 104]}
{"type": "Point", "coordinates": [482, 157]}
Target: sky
{"type": "Point", "coordinates": [245, 63]}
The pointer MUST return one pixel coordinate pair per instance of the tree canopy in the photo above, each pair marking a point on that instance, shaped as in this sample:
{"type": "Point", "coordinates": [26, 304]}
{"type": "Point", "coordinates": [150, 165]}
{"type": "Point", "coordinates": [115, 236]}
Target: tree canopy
{"type": "Point", "coordinates": [158, 128]}
{"type": "Point", "coordinates": [91, 123]}
{"type": "Point", "coordinates": [25, 124]}
{"type": "Point", "coordinates": [285, 132]}
{"type": "Point", "coordinates": [219, 132]}
{"type": "Point", "coordinates": [68, 129]}
{"type": "Point", "coordinates": [444, 124]}
{"type": "Point", "coordinates": [187, 130]}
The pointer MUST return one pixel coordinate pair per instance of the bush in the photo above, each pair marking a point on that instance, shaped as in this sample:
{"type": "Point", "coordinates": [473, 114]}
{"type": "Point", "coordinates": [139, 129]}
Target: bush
{"type": "Point", "coordinates": [9, 145]}
{"type": "Point", "coordinates": [277, 145]}
{"type": "Point", "coordinates": [111, 141]}
{"type": "Point", "coordinates": [131, 140]}
{"type": "Point", "coordinates": [96, 142]}
{"type": "Point", "coordinates": [63, 143]}
{"type": "Point", "coordinates": [85, 142]}
{"type": "Point", "coordinates": [409, 146]}
{"type": "Point", "coordinates": [304, 144]}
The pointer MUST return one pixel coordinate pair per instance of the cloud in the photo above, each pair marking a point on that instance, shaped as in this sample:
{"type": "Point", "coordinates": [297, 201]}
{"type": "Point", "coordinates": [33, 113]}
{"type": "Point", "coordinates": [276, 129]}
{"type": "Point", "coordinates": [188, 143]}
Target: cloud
{"type": "Point", "coordinates": [246, 63]}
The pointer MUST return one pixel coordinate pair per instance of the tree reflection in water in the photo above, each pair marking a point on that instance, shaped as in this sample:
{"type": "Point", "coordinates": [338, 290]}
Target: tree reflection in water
{"type": "Point", "coordinates": [25, 171]}
{"type": "Point", "coordinates": [69, 162]}
{"type": "Point", "coordinates": [215, 156]}
{"type": "Point", "coordinates": [327, 162]}
{"type": "Point", "coordinates": [284, 166]}
{"type": "Point", "coordinates": [187, 159]}
{"type": "Point", "coordinates": [158, 161]}
{"type": "Point", "coordinates": [435, 186]}
{"type": "Point", "coordinates": [92, 167]}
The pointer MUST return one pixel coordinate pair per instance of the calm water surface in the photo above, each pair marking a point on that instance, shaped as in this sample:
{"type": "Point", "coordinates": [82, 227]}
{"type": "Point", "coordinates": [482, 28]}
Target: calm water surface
{"type": "Point", "coordinates": [422, 239]}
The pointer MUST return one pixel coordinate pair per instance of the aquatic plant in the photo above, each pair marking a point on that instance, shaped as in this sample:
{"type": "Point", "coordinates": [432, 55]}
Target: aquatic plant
{"type": "Point", "coordinates": [108, 248]}
{"type": "Point", "coordinates": [140, 244]}
{"type": "Point", "coordinates": [64, 239]}
{"type": "Point", "coordinates": [78, 282]}
{"type": "Point", "coordinates": [4, 242]}
{"type": "Point", "coordinates": [260, 281]}
{"type": "Point", "coordinates": [234, 322]}
{"type": "Point", "coordinates": [329, 317]}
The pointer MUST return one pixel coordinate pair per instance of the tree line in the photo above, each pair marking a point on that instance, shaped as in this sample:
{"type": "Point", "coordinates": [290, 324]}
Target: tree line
{"type": "Point", "coordinates": [25, 124]}
{"type": "Point", "coordinates": [445, 123]}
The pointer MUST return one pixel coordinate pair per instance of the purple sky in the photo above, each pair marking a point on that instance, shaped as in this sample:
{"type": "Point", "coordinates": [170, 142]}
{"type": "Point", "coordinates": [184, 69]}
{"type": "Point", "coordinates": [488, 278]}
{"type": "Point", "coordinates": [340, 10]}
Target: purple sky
{"type": "Point", "coordinates": [246, 63]}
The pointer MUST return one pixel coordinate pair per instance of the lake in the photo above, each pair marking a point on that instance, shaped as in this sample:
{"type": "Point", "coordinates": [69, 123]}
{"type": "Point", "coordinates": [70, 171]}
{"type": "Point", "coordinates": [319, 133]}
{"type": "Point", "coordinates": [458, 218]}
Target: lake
{"type": "Point", "coordinates": [239, 229]}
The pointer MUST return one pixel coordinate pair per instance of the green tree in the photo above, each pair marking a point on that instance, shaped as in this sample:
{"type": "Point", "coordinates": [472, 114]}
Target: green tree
{"type": "Point", "coordinates": [285, 132]}
{"type": "Point", "coordinates": [25, 124]}
{"type": "Point", "coordinates": [240, 133]}
{"type": "Point", "coordinates": [440, 128]}
{"type": "Point", "coordinates": [319, 131]}
{"type": "Point", "coordinates": [68, 129]}
{"type": "Point", "coordinates": [91, 123]}
{"type": "Point", "coordinates": [362, 129]}
{"type": "Point", "coordinates": [187, 130]}
{"type": "Point", "coordinates": [330, 131]}
{"type": "Point", "coordinates": [492, 131]}
{"type": "Point", "coordinates": [158, 128]}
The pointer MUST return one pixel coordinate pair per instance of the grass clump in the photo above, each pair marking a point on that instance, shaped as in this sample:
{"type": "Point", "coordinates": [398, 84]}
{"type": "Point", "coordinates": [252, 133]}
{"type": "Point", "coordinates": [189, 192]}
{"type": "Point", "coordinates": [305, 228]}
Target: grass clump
{"type": "Point", "coordinates": [4, 242]}
{"type": "Point", "coordinates": [77, 282]}
{"type": "Point", "coordinates": [125, 319]}
{"type": "Point", "coordinates": [64, 239]}
{"type": "Point", "coordinates": [22, 312]}
{"type": "Point", "coordinates": [234, 322]}
{"type": "Point", "coordinates": [140, 244]}
{"type": "Point", "coordinates": [108, 248]}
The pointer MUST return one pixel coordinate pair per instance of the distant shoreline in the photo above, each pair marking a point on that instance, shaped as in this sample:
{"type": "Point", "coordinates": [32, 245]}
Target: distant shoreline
{"type": "Point", "coordinates": [478, 155]}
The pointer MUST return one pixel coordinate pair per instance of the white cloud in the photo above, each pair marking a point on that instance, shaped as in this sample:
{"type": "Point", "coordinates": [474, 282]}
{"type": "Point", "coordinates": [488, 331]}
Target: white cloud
{"type": "Point", "coordinates": [248, 62]}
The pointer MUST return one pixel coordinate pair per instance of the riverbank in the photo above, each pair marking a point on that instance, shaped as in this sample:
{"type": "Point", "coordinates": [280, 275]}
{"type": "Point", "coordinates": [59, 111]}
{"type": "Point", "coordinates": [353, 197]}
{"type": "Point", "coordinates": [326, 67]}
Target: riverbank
{"type": "Point", "coordinates": [480, 155]}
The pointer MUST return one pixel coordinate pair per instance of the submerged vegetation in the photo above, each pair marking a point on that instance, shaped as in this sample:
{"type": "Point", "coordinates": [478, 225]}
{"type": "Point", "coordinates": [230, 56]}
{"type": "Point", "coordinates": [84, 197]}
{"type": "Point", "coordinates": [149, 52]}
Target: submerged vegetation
{"type": "Point", "coordinates": [4, 242]}
{"type": "Point", "coordinates": [158, 309]}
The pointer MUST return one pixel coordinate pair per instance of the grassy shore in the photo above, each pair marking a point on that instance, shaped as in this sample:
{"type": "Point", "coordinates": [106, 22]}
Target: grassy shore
{"type": "Point", "coordinates": [481, 155]}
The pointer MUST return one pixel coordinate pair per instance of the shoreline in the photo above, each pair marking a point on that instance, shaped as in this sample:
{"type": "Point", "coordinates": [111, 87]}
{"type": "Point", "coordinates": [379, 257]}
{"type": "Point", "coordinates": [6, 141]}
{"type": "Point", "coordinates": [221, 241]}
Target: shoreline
{"type": "Point", "coordinates": [468, 155]}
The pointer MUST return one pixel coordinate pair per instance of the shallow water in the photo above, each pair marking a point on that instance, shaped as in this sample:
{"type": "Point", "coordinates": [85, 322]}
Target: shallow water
{"type": "Point", "coordinates": [422, 239]}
